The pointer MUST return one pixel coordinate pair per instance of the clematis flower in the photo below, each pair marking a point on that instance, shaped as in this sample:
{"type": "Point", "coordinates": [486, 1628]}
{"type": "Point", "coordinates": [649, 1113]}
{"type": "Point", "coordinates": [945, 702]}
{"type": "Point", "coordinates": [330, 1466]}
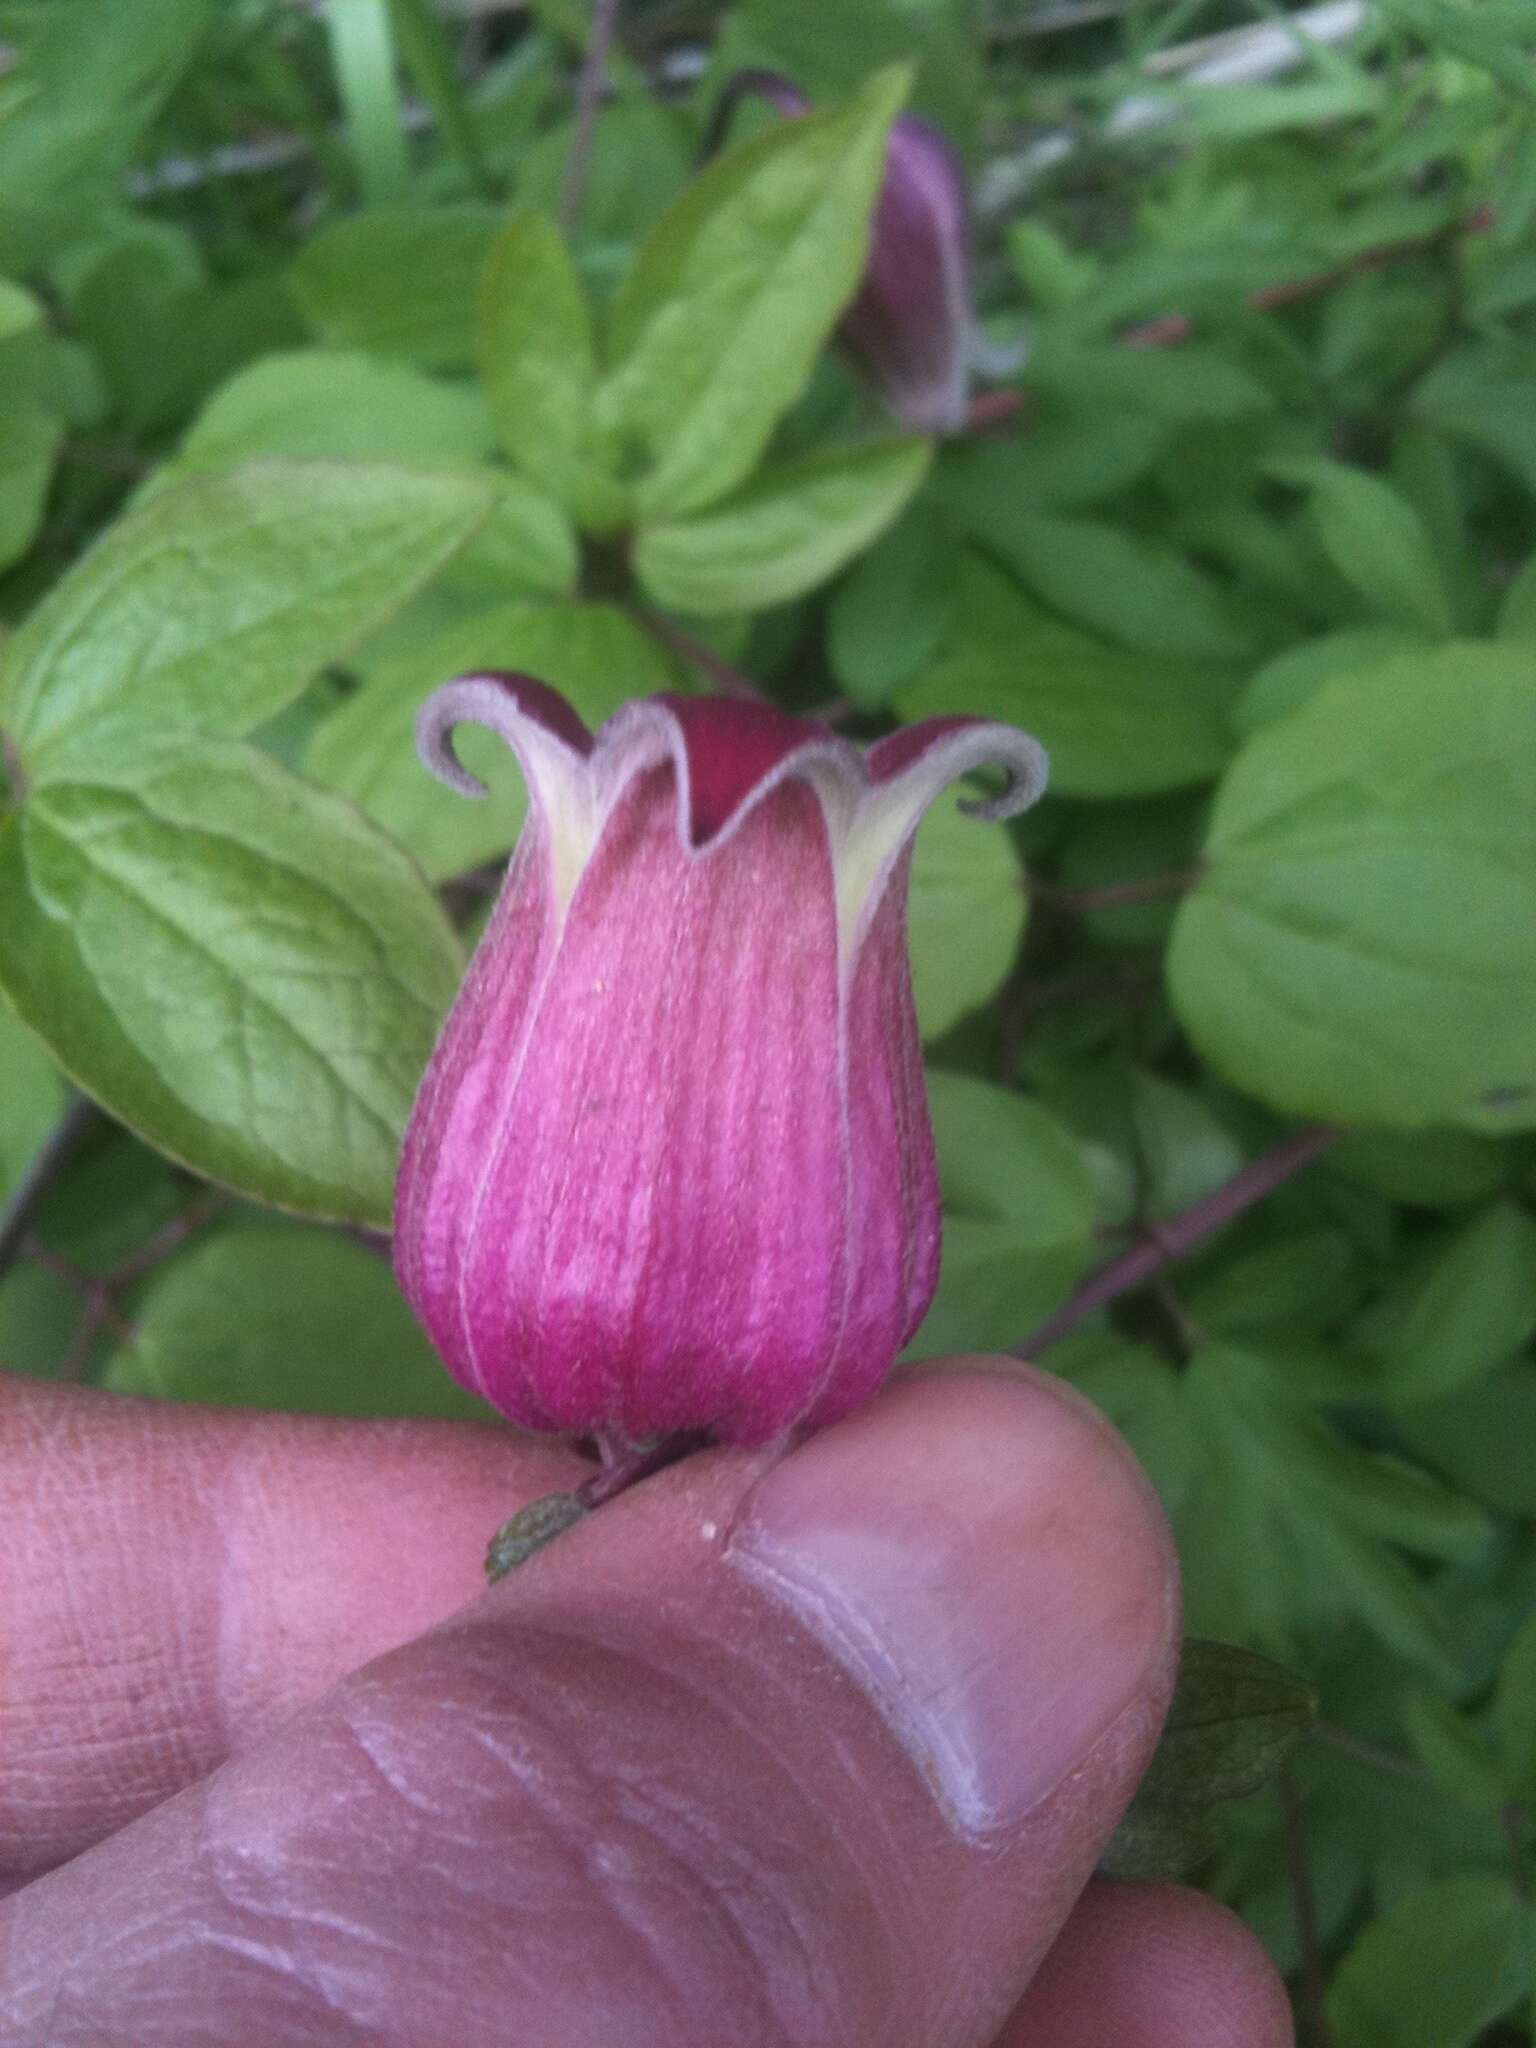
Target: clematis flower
{"type": "Point", "coordinates": [670, 1167]}
{"type": "Point", "coordinates": [911, 325]}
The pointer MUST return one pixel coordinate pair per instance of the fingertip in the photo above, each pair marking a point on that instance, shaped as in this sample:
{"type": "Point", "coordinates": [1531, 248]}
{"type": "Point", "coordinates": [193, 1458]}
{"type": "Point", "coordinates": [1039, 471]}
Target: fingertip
{"type": "Point", "coordinates": [982, 1553]}
{"type": "Point", "coordinates": [1153, 1966]}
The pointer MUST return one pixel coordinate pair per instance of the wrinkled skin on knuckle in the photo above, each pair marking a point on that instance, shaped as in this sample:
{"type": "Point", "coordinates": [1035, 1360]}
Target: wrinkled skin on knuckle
{"type": "Point", "coordinates": [498, 1829]}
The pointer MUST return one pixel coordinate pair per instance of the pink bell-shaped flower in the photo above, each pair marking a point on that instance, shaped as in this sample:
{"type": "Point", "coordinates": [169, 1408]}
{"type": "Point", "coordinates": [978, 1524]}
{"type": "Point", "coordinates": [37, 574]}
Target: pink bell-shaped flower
{"type": "Point", "coordinates": [670, 1167]}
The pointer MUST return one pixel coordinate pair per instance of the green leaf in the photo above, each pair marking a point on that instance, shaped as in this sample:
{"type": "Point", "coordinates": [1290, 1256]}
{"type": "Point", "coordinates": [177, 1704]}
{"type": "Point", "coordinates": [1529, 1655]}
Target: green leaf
{"type": "Point", "coordinates": [333, 404]}
{"type": "Point", "coordinates": [1362, 942]}
{"type": "Point", "coordinates": [1376, 540]}
{"type": "Point", "coordinates": [1140, 592]}
{"type": "Point", "coordinates": [591, 653]}
{"type": "Point", "coordinates": [1445, 1962]}
{"type": "Point", "coordinates": [1480, 1437]}
{"type": "Point", "coordinates": [1274, 1482]}
{"type": "Point", "coordinates": [211, 605]}
{"type": "Point", "coordinates": [1517, 612]}
{"type": "Point", "coordinates": [889, 614]}
{"type": "Point", "coordinates": [526, 547]}
{"type": "Point", "coordinates": [1428, 1169]}
{"type": "Point", "coordinates": [1489, 36]}
{"type": "Point", "coordinates": [1233, 1717]}
{"type": "Point", "coordinates": [89, 83]}
{"type": "Point", "coordinates": [1297, 1284]}
{"type": "Point", "coordinates": [1020, 1208]}
{"type": "Point", "coordinates": [792, 528]}
{"type": "Point", "coordinates": [1114, 724]}
{"type": "Point", "coordinates": [966, 912]}
{"type": "Point", "coordinates": [1290, 679]}
{"type": "Point", "coordinates": [1069, 458]}
{"type": "Point", "coordinates": [1196, 383]}
{"type": "Point", "coordinates": [31, 1100]}
{"type": "Point", "coordinates": [1481, 393]}
{"type": "Point", "coordinates": [236, 965]}
{"type": "Point", "coordinates": [277, 1316]}
{"type": "Point", "coordinates": [1139, 1391]}
{"type": "Point", "coordinates": [717, 327]}
{"type": "Point", "coordinates": [1514, 1713]}
{"type": "Point", "coordinates": [1452, 1751]}
{"type": "Point", "coordinates": [29, 446]}
{"type": "Point", "coordinates": [1466, 1308]}
{"type": "Point", "coordinates": [398, 281]}
{"type": "Point", "coordinates": [538, 357]}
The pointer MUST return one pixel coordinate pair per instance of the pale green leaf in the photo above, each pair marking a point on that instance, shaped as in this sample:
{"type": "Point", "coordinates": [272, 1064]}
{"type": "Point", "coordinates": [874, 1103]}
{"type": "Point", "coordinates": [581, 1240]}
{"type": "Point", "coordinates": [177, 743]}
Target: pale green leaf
{"type": "Point", "coordinates": [398, 281]}
{"type": "Point", "coordinates": [965, 915]}
{"type": "Point", "coordinates": [211, 605]}
{"type": "Point", "coordinates": [792, 528]}
{"type": "Point", "coordinates": [716, 329]}
{"type": "Point", "coordinates": [237, 965]}
{"type": "Point", "coordinates": [29, 445]}
{"type": "Point", "coordinates": [337, 404]}
{"type": "Point", "coordinates": [1362, 942]}
{"type": "Point", "coordinates": [1275, 1482]}
{"type": "Point", "coordinates": [538, 359]}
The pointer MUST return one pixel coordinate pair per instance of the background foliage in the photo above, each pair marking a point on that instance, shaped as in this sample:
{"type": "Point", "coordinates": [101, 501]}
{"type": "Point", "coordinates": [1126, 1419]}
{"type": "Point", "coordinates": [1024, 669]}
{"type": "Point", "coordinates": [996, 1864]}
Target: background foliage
{"type": "Point", "coordinates": [308, 400]}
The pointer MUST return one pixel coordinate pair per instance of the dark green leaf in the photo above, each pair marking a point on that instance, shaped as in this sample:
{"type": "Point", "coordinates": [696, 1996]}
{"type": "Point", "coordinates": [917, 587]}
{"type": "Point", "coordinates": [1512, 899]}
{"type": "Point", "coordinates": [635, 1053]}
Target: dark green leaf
{"type": "Point", "coordinates": [1114, 724]}
{"type": "Point", "coordinates": [276, 1316]}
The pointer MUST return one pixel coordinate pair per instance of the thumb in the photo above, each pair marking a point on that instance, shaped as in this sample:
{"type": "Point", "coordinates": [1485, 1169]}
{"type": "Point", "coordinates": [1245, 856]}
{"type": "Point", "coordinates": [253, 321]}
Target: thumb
{"type": "Point", "coordinates": [780, 1752]}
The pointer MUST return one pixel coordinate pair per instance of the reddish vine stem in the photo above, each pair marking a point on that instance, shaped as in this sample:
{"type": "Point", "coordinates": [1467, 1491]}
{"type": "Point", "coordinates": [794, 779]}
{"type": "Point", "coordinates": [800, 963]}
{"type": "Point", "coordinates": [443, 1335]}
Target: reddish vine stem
{"type": "Point", "coordinates": [622, 1469]}
{"type": "Point", "coordinates": [589, 98]}
{"type": "Point", "coordinates": [993, 408]}
{"type": "Point", "coordinates": [1177, 1237]}
{"type": "Point", "coordinates": [1304, 1905]}
{"type": "Point", "coordinates": [1143, 889]}
{"type": "Point", "coordinates": [725, 680]}
{"type": "Point", "coordinates": [98, 1292]}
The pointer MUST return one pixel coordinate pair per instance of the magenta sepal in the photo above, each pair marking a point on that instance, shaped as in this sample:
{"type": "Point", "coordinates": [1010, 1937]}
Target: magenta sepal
{"type": "Point", "coordinates": [670, 1167]}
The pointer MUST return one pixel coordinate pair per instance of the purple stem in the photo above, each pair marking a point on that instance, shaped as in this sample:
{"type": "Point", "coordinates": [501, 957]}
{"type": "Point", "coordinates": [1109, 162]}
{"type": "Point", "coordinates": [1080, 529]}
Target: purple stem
{"type": "Point", "coordinates": [589, 98]}
{"type": "Point", "coordinates": [1181, 1233]}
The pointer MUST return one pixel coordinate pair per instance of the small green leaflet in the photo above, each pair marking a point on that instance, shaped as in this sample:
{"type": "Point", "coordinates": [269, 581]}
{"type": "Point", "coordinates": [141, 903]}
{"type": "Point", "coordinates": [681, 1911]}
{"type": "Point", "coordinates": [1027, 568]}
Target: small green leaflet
{"type": "Point", "coordinates": [538, 359]}
{"type": "Point", "coordinates": [1234, 1716]}
{"type": "Point", "coordinates": [792, 528]}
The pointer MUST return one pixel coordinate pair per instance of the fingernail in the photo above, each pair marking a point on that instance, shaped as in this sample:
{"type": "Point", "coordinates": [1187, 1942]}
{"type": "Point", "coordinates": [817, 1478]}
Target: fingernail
{"type": "Point", "coordinates": [981, 1555]}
